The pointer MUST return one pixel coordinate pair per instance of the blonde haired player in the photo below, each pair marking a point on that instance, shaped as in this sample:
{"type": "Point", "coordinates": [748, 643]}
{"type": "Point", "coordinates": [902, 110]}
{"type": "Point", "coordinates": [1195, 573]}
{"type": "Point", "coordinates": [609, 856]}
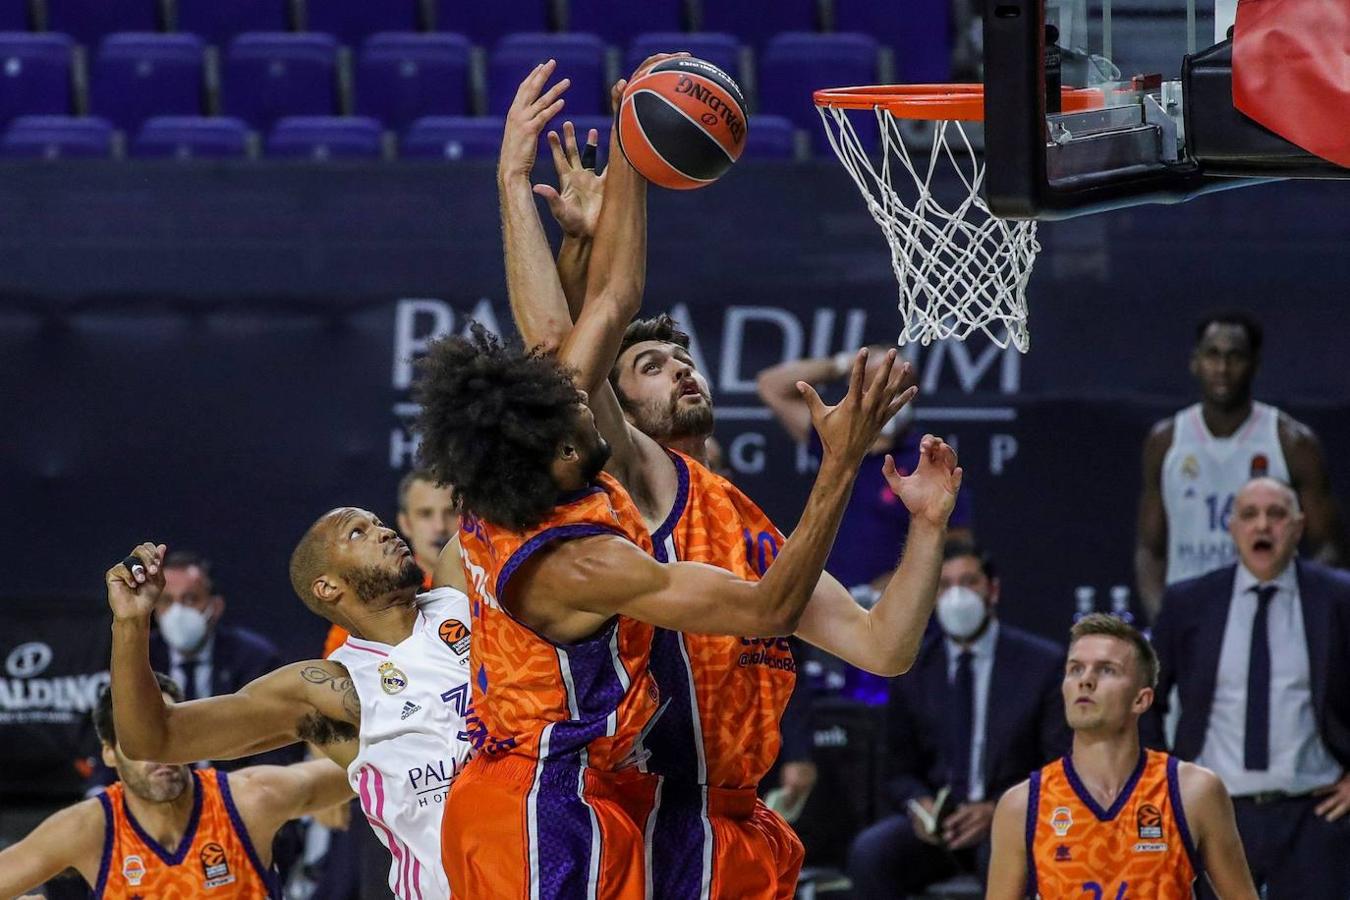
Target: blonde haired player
{"type": "Point", "coordinates": [1113, 821]}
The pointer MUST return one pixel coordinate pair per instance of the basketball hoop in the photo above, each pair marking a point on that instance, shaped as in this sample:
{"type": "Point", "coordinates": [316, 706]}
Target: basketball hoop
{"type": "Point", "coordinates": [960, 268]}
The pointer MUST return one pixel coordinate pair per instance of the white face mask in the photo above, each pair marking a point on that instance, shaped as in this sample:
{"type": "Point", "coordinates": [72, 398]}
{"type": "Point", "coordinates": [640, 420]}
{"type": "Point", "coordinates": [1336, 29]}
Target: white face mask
{"type": "Point", "coordinates": [184, 628]}
{"type": "Point", "coordinates": [961, 612]}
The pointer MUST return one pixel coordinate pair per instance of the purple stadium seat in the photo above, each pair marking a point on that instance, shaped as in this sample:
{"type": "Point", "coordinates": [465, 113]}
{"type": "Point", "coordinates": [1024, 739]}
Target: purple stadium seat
{"type": "Point", "coordinates": [217, 22]}
{"type": "Point", "coordinates": [14, 15]}
{"type": "Point", "coordinates": [755, 21]}
{"type": "Point", "coordinates": [34, 74]}
{"type": "Point", "coordinates": [191, 137]}
{"type": "Point", "coordinates": [88, 21]}
{"type": "Point", "coordinates": [722, 50]}
{"type": "Point", "coordinates": [352, 21]}
{"type": "Point", "coordinates": [917, 30]}
{"type": "Point", "coordinates": [618, 21]}
{"type": "Point", "coordinates": [57, 137]}
{"type": "Point", "coordinates": [136, 76]}
{"type": "Point", "coordinates": [487, 23]}
{"type": "Point", "coordinates": [453, 138]}
{"type": "Point", "coordinates": [795, 65]}
{"type": "Point", "coordinates": [326, 137]}
{"type": "Point", "coordinates": [270, 75]}
{"type": "Point", "coordinates": [403, 77]}
{"type": "Point", "coordinates": [581, 57]}
{"type": "Point", "coordinates": [770, 137]}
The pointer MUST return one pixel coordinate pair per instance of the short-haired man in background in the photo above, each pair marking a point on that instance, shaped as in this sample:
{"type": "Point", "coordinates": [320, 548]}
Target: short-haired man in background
{"type": "Point", "coordinates": [1110, 819]}
{"type": "Point", "coordinates": [1259, 652]}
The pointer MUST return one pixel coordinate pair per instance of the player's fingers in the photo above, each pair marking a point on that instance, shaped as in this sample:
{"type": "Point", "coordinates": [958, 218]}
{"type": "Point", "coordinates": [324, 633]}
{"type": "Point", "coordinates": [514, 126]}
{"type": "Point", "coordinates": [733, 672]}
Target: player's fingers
{"type": "Point", "coordinates": [888, 466]}
{"type": "Point", "coordinates": [813, 401]}
{"type": "Point", "coordinates": [957, 474]}
{"type": "Point", "coordinates": [549, 99]}
{"type": "Point", "coordinates": [549, 113]}
{"type": "Point", "coordinates": [590, 151]}
{"type": "Point", "coordinates": [901, 401]}
{"type": "Point", "coordinates": [555, 149]}
{"type": "Point", "coordinates": [616, 94]}
{"type": "Point", "coordinates": [855, 377]}
{"type": "Point", "coordinates": [570, 144]}
{"type": "Point", "coordinates": [529, 87]}
{"type": "Point", "coordinates": [876, 391]}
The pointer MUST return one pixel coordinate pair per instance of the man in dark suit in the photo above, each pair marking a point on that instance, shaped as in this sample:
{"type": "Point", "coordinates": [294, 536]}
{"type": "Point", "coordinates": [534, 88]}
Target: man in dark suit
{"type": "Point", "coordinates": [980, 708]}
{"type": "Point", "coordinates": [1259, 652]}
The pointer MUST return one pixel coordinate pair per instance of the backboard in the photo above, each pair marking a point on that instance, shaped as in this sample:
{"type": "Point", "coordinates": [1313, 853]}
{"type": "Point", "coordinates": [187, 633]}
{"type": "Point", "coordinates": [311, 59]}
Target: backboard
{"type": "Point", "coordinates": [1168, 129]}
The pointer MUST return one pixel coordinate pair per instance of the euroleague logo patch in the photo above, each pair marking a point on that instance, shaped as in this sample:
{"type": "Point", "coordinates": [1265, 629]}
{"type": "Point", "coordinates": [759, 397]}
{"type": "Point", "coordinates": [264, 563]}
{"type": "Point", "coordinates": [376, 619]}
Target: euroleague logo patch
{"type": "Point", "coordinates": [392, 679]}
{"type": "Point", "coordinates": [455, 635]}
{"type": "Point", "coordinates": [215, 866]}
{"type": "Point", "coordinates": [1149, 819]}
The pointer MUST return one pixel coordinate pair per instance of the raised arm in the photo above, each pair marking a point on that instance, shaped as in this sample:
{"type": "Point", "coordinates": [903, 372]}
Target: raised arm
{"type": "Point", "coordinates": [1209, 812]}
{"type": "Point", "coordinates": [1322, 528]}
{"type": "Point", "coordinates": [1150, 548]}
{"type": "Point", "coordinates": [1008, 858]}
{"type": "Point", "coordinates": [777, 387]}
{"type": "Point", "coordinates": [70, 838]}
{"type": "Point", "coordinates": [312, 701]}
{"type": "Point", "coordinates": [885, 639]}
{"type": "Point", "coordinates": [598, 578]}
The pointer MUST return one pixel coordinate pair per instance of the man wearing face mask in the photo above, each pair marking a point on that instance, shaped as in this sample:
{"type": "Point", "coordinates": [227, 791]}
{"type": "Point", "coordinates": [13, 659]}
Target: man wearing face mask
{"type": "Point", "coordinates": [978, 710]}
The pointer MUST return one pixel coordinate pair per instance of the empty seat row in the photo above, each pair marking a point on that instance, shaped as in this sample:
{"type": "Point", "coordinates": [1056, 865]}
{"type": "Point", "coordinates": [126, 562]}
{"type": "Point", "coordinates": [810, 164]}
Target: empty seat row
{"type": "Point", "coordinates": [918, 30]}
{"type": "Point", "coordinates": [312, 137]}
{"type": "Point", "coordinates": [397, 78]}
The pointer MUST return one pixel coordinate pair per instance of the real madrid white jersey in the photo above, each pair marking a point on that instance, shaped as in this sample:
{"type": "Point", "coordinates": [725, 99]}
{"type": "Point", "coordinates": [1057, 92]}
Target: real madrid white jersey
{"type": "Point", "coordinates": [414, 699]}
{"type": "Point", "coordinates": [1202, 474]}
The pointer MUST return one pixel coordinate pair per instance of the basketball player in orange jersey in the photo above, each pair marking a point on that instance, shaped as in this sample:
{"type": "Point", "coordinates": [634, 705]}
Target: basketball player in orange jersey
{"type": "Point", "coordinates": [567, 597]}
{"type": "Point", "coordinates": [1112, 821]}
{"type": "Point", "coordinates": [172, 831]}
{"type": "Point", "coordinates": [722, 730]}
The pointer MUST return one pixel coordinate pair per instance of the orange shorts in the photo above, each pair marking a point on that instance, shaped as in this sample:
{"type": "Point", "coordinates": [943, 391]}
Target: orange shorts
{"type": "Point", "coordinates": [729, 845]}
{"type": "Point", "coordinates": [513, 828]}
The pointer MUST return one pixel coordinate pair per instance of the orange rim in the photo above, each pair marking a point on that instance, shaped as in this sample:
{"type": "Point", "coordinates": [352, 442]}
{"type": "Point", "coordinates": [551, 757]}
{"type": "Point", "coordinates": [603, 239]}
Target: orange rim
{"type": "Point", "coordinates": [934, 102]}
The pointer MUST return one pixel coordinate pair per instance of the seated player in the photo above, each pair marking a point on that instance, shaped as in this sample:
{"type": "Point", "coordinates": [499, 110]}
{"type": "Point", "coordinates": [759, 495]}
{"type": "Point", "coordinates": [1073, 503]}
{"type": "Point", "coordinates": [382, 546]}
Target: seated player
{"type": "Point", "coordinates": [1112, 821]}
{"type": "Point", "coordinates": [739, 686]}
{"type": "Point", "coordinates": [171, 830]}
{"type": "Point", "coordinates": [566, 600]}
{"type": "Point", "coordinates": [389, 706]}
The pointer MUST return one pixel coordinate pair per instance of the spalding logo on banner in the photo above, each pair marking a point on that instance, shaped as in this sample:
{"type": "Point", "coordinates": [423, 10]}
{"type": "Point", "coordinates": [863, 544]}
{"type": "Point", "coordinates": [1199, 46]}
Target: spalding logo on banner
{"type": "Point", "coordinates": [27, 660]}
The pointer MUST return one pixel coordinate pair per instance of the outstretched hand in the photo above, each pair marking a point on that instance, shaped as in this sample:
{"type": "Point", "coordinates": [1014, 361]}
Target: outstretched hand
{"type": "Point", "coordinates": [929, 492]}
{"type": "Point", "coordinates": [532, 109]}
{"type": "Point", "coordinates": [849, 428]}
{"type": "Point", "coordinates": [134, 585]}
{"type": "Point", "coordinates": [575, 202]}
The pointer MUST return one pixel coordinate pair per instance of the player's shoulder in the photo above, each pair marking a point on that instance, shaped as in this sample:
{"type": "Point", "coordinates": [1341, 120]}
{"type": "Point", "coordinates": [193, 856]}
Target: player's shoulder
{"type": "Point", "coordinates": [1294, 433]}
{"type": "Point", "coordinates": [444, 601]}
{"type": "Point", "coordinates": [1014, 802]}
{"type": "Point", "coordinates": [1202, 791]}
{"type": "Point", "coordinates": [1161, 433]}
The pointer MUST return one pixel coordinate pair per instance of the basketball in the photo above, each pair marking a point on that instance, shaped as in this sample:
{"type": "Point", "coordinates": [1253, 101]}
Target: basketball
{"type": "Point", "coordinates": [682, 123]}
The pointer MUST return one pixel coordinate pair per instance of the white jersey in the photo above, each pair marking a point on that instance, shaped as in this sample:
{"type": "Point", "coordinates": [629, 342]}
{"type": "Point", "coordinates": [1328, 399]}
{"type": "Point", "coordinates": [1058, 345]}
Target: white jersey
{"type": "Point", "coordinates": [1201, 476]}
{"type": "Point", "coordinates": [414, 699]}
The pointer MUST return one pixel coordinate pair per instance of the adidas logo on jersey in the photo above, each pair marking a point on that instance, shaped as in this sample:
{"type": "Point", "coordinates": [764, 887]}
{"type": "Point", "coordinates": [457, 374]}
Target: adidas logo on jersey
{"type": "Point", "coordinates": [409, 708]}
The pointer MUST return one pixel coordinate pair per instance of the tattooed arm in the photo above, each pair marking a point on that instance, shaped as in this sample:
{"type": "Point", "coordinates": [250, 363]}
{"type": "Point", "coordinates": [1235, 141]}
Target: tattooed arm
{"type": "Point", "coordinates": [312, 701]}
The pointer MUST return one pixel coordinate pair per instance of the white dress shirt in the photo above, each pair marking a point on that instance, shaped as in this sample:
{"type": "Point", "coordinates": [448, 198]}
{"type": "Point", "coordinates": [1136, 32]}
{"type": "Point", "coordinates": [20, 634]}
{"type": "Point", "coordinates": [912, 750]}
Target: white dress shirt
{"type": "Point", "coordinates": [1299, 761]}
{"type": "Point", "coordinates": [982, 669]}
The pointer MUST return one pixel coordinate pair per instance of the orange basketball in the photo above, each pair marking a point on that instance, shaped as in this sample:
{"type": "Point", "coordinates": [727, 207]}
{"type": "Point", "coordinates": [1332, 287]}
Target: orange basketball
{"type": "Point", "coordinates": [682, 123]}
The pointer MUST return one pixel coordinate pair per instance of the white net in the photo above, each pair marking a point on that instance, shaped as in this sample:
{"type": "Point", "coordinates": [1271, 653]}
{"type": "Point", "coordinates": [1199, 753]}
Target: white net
{"type": "Point", "coordinates": [960, 268]}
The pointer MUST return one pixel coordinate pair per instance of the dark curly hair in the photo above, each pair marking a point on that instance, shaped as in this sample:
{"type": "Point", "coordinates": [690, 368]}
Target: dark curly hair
{"type": "Point", "coordinates": [491, 421]}
{"type": "Point", "coordinates": [658, 328]}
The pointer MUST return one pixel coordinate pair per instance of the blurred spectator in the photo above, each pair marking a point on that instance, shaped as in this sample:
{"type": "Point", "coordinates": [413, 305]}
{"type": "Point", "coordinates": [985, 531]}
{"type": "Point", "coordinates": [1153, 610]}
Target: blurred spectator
{"type": "Point", "coordinates": [1195, 461]}
{"type": "Point", "coordinates": [875, 521]}
{"type": "Point", "coordinates": [980, 709]}
{"type": "Point", "coordinates": [1275, 726]}
{"type": "Point", "coordinates": [428, 519]}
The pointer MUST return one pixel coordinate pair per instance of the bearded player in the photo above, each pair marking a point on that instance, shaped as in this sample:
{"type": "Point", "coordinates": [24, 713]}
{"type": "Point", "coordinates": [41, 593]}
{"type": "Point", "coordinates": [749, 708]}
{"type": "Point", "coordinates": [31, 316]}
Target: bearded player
{"type": "Point", "coordinates": [172, 830]}
{"type": "Point", "coordinates": [1112, 821]}
{"type": "Point", "coordinates": [736, 687]}
{"type": "Point", "coordinates": [390, 705]}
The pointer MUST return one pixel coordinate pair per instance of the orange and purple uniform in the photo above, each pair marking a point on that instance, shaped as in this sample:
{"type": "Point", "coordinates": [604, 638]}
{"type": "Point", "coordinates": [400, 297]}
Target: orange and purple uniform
{"type": "Point", "coordinates": [555, 801]}
{"type": "Point", "coordinates": [1139, 848]}
{"type": "Point", "coordinates": [215, 858]}
{"type": "Point", "coordinates": [719, 735]}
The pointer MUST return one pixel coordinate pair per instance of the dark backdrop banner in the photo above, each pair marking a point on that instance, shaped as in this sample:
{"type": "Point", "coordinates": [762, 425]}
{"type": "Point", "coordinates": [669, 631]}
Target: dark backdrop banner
{"type": "Point", "coordinates": [213, 356]}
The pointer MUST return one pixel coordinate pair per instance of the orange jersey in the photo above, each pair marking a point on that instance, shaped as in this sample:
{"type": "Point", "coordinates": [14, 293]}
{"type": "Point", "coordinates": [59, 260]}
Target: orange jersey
{"type": "Point", "coordinates": [728, 738]}
{"type": "Point", "coordinates": [1139, 849]}
{"type": "Point", "coordinates": [215, 859]}
{"type": "Point", "coordinates": [591, 700]}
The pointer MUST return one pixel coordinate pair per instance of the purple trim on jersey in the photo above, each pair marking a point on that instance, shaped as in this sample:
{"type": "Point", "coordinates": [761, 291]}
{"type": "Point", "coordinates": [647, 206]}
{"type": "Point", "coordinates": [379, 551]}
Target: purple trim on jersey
{"type": "Point", "coordinates": [565, 830]}
{"type": "Point", "coordinates": [189, 833]}
{"type": "Point", "coordinates": [1033, 812]}
{"type": "Point", "coordinates": [268, 878]}
{"type": "Point", "coordinates": [1179, 813]}
{"type": "Point", "coordinates": [677, 840]}
{"type": "Point", "coordinates": [1105, 815]}
{"type": "Point", "coordinates": [109, 835]}
{"type": "Point", "coordinates": [547, 536]}
{"type": "Point", "coordinates": [676, 509]}
{"type": "Point", "coordinates": [596, 692]}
